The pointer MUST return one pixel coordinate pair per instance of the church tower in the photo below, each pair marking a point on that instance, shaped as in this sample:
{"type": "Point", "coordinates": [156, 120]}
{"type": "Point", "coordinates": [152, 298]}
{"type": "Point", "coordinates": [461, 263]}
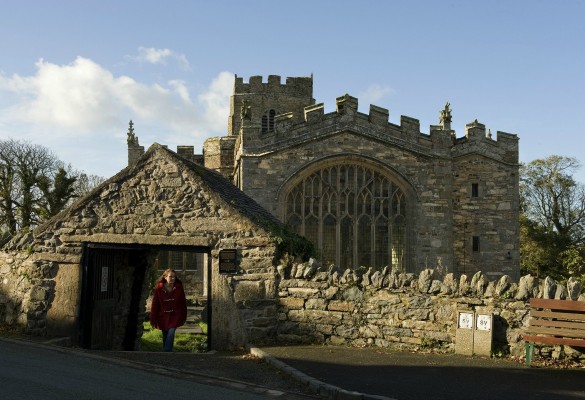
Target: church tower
{"type": "Point", "coordinates": [262, 102]}
{"type": "Point", "coordinates": [255, 106]}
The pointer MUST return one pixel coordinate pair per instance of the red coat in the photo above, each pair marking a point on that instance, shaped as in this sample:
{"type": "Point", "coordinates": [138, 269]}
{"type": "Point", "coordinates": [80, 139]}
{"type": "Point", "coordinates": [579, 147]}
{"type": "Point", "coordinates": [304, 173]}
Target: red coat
{"type": "Point", "coordinates": [168, 310]}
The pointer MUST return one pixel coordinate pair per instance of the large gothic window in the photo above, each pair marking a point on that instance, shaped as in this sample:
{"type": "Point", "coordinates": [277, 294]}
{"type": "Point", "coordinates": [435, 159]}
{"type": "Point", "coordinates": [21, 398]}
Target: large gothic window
{"type": "Point", "coordinates": [354, 214]}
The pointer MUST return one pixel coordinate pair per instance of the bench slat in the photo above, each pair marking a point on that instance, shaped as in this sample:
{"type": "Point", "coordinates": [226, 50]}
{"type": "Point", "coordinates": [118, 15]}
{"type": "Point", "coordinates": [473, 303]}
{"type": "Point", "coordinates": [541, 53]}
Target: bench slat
{"type": "Point", "coordinates": [558, 304]}
{"type": "Point", "coordinates": [554, 340]}
{"type": "Point", "coordinates": [557, 323]}
{"type": "Point", "coordinates": [559, 332]}
{"type": "Point", "coordinates": [558, 315]}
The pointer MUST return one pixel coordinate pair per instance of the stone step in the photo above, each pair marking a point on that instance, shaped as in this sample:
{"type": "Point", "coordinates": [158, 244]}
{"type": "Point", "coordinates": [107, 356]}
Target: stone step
{"type": "Point", "coordinates": [192, 329]}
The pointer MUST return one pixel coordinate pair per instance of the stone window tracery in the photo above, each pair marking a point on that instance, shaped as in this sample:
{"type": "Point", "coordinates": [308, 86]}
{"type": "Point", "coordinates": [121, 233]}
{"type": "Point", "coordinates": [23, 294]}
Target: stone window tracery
{"type": "Point", "coordinates": [354, 214]}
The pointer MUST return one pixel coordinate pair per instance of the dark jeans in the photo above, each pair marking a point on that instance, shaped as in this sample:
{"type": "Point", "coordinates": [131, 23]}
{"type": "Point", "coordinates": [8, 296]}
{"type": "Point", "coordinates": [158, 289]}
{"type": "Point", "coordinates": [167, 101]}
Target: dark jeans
{"type": "Point", "coordinates": [168, 339]}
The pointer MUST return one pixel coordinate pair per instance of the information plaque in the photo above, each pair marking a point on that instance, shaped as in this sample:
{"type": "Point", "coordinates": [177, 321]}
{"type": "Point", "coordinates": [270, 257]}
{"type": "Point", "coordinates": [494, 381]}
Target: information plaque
{"type": "Point", "coordinates": [228, 261]}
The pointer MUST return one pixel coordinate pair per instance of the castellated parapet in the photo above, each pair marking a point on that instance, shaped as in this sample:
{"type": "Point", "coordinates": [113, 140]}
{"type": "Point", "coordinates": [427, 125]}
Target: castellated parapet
{"type": "Point", "coordinates": [313, 123]}
{"type": "Point", "coordinates": [295, 86]}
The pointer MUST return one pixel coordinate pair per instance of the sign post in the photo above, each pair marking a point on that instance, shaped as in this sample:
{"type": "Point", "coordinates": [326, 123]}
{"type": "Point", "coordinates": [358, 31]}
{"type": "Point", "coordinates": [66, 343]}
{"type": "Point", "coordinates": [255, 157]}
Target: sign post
{"type": "Point", "coordinates": [482, 342]}
{"type": "Point", "coordinates": [464, 334]}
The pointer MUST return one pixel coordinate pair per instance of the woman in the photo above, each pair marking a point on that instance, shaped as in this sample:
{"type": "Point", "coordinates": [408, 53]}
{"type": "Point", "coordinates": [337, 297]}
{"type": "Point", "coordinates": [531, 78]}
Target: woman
{"type": "Point", "coordinates": [169, 307]}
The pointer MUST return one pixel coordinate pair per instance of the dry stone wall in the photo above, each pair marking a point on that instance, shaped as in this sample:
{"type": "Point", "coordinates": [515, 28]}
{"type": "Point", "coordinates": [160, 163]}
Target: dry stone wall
{"type": "Point", "coordinates": [26, 288]}
{"type": "Point", "coordinates": [387, 308]}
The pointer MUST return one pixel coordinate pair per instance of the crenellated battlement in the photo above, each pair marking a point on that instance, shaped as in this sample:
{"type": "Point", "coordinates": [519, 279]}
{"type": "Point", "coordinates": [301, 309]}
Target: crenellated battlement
{"type": "Point", "coordinates": [441, 139]}
{"type": "Point", "coordinates": [294, 86]}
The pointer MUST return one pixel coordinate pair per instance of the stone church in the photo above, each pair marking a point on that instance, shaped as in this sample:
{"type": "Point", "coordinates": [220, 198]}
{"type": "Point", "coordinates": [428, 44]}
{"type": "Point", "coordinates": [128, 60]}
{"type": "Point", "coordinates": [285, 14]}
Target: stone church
{"type": "Point", "coordinates": [368, 192]}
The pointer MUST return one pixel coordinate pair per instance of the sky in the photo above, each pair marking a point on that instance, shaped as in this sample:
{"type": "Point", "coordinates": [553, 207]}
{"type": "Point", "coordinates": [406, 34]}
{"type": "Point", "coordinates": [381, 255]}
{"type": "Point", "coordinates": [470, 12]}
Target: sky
{"type": "Point", "coordinates": [74, 73]}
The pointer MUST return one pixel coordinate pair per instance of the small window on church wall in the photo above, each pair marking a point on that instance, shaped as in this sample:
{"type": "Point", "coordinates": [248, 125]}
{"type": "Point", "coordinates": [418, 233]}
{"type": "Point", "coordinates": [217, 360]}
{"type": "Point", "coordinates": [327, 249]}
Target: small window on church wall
{"type": "Point", "coordinates": [475, 244]}
{"type": "Point", "coordinates": [474, 190]}
{"type": "Point", "coordinates": [268, 121]}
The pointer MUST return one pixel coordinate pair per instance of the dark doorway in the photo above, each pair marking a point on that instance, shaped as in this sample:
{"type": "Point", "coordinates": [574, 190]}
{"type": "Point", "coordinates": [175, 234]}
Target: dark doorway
{"type": "Point", "coordinates": [117, 281]}
{"type": "Point", "coordinates": [98, 302]}
{"type": "Point", "coordinates": [139, 267]}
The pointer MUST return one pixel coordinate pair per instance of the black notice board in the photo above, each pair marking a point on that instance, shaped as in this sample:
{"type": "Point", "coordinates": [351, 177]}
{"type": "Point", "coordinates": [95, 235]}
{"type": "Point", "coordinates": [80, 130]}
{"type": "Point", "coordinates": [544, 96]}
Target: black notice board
{"type": "Point", "coordinates": [228, 261]}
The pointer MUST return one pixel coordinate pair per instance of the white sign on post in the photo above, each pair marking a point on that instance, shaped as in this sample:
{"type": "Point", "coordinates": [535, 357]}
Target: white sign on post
{"type": "Point", "coordinates": [465, 320]}
{"type": "Point", "coordinates": [464, 332]}
{"type": "Point", "coordinates": [484, 322]}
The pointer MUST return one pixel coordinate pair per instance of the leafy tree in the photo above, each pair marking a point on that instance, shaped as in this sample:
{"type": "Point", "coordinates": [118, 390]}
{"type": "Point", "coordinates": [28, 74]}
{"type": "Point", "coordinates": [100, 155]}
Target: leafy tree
{"type": "Point", "coordinates": [574, 260]}
{"type": "Point", "coordinates": [57, 193]}
{"type": "Point", "coordinates": [553, 220]}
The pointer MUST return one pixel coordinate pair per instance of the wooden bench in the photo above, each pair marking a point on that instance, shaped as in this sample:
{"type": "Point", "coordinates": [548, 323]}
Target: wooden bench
{"type": "Point", "coordinates": [555, 322]}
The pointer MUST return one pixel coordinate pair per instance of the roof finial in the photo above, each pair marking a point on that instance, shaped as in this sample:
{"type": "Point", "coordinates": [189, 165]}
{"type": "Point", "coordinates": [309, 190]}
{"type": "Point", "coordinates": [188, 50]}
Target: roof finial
{"type": "Point", "coordinates": [446, 117]}
{"type": "Point", "coordinates": [132, 139]}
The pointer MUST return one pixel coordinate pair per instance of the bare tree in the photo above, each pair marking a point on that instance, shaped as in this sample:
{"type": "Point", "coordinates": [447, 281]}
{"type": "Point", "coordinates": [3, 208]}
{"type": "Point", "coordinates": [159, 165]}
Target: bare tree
{"type": "Point", "coordinates": [8, 192]}
{"type": "Point", "coordinates": [34, 164]}
{"type": "Point", "coordinates": [35, 185]}
{"type": "Point", "coordinates": [86, 183]}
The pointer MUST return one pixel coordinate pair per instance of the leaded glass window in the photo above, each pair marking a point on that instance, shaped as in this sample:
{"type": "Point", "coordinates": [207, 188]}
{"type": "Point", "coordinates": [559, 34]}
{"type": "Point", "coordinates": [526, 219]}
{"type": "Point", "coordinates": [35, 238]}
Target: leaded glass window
{"type": "Point", "coordinates": [352, 213]}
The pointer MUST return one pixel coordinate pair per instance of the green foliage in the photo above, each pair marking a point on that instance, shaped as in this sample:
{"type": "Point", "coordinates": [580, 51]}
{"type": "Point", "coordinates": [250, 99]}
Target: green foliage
{"type": "Point", "coordinates": [500, 350]}
{"type": "Point", "coordinates": [553, 218]}
{"type": "Point", "coordinates": [57, 193]}
{"type": "Point", "coordinates": [289, 243]}
{"type": "Point", "coordinates": [573, 258]}
{"type": "Point", "coordinates": [429, 343]}
{"type": "Point", "coordinates": [26, 276]}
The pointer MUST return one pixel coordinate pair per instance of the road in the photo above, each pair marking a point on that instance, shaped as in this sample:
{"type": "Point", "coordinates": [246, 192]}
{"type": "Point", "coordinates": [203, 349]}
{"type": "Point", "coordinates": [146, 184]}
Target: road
{"type": "Point", "coordinates": [406, 375]}
{"type": "Point", "coordinates": [35, 372]}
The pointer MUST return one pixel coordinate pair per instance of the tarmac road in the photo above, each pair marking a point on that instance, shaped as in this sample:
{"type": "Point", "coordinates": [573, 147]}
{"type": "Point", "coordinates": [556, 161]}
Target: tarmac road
{"type": "Point", "coordinates": [406, 375]}
{"type": "Point", "coordinates": [295, 372]}
{"type": "Point", "coordinates": [31, 371]}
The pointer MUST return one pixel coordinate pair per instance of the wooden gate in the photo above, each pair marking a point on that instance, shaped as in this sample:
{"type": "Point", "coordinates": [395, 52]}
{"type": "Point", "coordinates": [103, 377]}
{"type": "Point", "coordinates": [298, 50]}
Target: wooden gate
{"type": "Point", "coordinates": [98, 310]}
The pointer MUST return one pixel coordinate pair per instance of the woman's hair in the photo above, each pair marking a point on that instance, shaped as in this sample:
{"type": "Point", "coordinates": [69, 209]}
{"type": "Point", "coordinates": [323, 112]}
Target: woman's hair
{"type": "Point", "coordinates": [165, 273]}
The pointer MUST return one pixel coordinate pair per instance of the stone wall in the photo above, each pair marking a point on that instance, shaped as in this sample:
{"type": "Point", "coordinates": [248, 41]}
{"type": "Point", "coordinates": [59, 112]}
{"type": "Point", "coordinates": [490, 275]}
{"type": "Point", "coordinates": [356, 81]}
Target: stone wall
{"type": "Point", "coordinates": [26, 290]}
{"type": "Point", "coordinates": [302, 304]}
{"type": "Point", "coordinates": [387, 308]}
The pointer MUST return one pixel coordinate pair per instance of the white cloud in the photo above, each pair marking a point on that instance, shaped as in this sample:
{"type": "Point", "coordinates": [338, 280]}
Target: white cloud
{"type": "Point", "coordinates": [374, 93]}
{"type": "Point", "coordinates": [217, 101]}
{"type": "Point", "coordinates": [152, 55]}
{"type": "Point", "coordinates": [160, 56]}
{"type": "Point", "coordinates": [62, 106]}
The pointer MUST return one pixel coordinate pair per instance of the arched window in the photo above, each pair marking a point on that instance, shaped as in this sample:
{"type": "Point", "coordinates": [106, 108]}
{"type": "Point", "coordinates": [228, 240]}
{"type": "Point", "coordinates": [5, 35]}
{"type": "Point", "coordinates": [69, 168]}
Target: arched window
{"type": "Point", "coordinates": [268, 121]}
{"type": "Point", "coordinates": [354, 214]}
